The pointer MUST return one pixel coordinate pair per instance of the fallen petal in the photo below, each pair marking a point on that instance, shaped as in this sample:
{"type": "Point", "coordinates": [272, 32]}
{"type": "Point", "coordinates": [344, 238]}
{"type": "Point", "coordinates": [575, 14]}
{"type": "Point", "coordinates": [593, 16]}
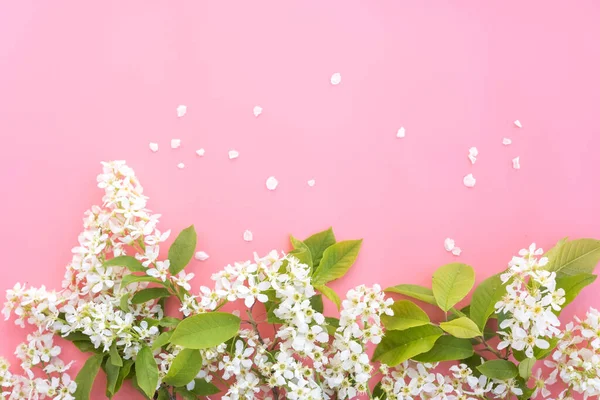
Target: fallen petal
{"type": "Point", "coordinates": [248, 236]}
{"type": "Point", "coordinates": [175, 143]}
{"type": "Point", "coordinates": [518, 123]}
{"type": "Point", "coordinates": [311, 183]}
{"type": "Point", "coordinates": [200, 152]}
{"type": "Point", "coordinates": [181, 110]}
{"type": "Point", "coordinates": [336, 78]}
{"type": "Point", "coordinates": [448, 244]}
{"type": "Point", "coordinates": [456, 251]}
{"type": "Point", "coordinates": [201, 256]}
{"type": "Point", "coordinates": [257, 111]}
{"type": "Point", "coordinates": [469, 180]}
{"type": "Point", "coordinates": [153, 147]}
{"type": "Point", "coordinates": [181, 165]}
{"type": "Point", "coordinates": [272, 183]}
{"type": "Point", "coordinates": [516, 163]}
{"type": "Point", "coordinates": [506, 141]}
{"type": "Point", "coordinates": [233, 154]}
{"type": "Point", "coordinates": [401, 132]}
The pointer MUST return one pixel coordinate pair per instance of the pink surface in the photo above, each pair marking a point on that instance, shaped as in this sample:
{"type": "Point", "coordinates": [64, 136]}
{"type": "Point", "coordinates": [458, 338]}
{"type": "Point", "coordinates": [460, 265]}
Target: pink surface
{"type": "Point", "coordinates": [81, 83]}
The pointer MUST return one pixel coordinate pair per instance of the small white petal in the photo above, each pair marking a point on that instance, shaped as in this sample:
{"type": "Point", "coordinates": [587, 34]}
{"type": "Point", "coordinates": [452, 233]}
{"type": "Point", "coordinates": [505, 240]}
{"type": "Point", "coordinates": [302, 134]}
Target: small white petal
{"type": "Point", "coordinates": [506, 141]}
{"type": "Point", "coordinates": [456, 251]}
{"type": "Point", "coordinates": [257, 110]}
{"type": "Point", "coordinates": [233, 154]}
{"type": "Point", "coordinates": [201, 256]}
{"type": "Point", "coordinates": [181, 110]}
{"type": "Point", "coordinates": [175, 143]}
{"type": "Point", "coordinates": [272, 183]}
{"type": "Point", "coordinates": [200, 152]}
{"type": "Point", "coordinates": [473, 153]}
{"type": "Point", "coordinates": [448, 244]}
{"type": "Point", "coordinates": [311, 183]}
{"type": "Point", "coordinates": [153, 147]}
{"type": "Point", "coordinates": [516, 163]}
{"type": "Point", "coordinates": [336, 78]}
{"type": "Point", "coordinates": [401, 132]}
{"type": "Point", "coordinates": [469, 180]}
{"type": "Point", "coordinates": [248, 236]}
{"type": "Point", "coordinates": [181, 165]}
{"type": "Point", "coordinates": [518, 123]}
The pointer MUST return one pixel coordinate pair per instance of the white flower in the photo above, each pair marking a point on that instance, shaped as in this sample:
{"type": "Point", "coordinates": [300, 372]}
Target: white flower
{"type": "Point", "coordinates": [253, 292]}
{"type": "Point", "coordinates": [182, 280]}
{"type": "Point", "coordinates": [161, 270]}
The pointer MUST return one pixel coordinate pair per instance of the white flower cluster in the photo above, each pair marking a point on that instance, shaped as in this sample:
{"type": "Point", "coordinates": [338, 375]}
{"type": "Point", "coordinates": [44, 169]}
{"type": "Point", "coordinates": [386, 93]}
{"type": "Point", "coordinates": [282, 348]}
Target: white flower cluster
{"type": "Point", "coordinates": [576, 360]}
{"type": "Point", "coordinates": [529, 306]}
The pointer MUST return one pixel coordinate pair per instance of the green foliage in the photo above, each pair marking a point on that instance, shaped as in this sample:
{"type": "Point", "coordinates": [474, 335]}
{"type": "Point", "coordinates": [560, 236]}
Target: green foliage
{"type": "Point", "coordinates": [451, 283]}
{"type": "Point", "coordinates": [163, 394]}
{"type": "Point", "coordinates": [330, 294]}
{"type": "Point", "coordinates": [525, 368]}
{"type": "Point", "coordinates": [316, 303]}
{"type": "Point", "coordinates": [146, 371]}
{"type": "Point", "coordinates": [499, 369]}
{"type": "Point", "coordinates": [462, 328]}
{"type": "Point", "coordinates": [148, 294]}
{"type": "Point", "coordinates": [115, 357]}
{"type": "Point", "coordinates": [206, 330]}
{"type": "Point", "coordinates": [573, 285]}
{"type": "Point", "coordinates": [203, 388]}
{"type": "Point", "coordinates": [182, 250]}
{"type": "Point", "coordinates": [399, 346]}
{"type": "Point", "coordinates": [378, 392]}
{"type": "Point", "coordinates": [332, 324]}
{"type": "Point", "coordinates": [184, 368]}
{"type": "Point", "coordinates": [574, 257]}
{"type": "Point", "coordinates": [86, 376]}
{"type": "Point", "coordinates": [414, 291]}
{"type": "Point", "coordinates": [406, 315]}
{"type": "Point", "coordinates": [162, 340]}
{"type": "Point", "coordinates": [128, 279]}
{"type": "Point", "coordinates": [317, 244]}
{"type": "Point", "coordinates": [131, 263]}
{"type": "Point", "coordinates": [123, 374]}
{"type": "Point", "coordinates": [485, 296]}
{"type": "Point", "coordinates": [124, 302]}
{"type": "Point", "coordinates": [447, 348]}
{"type": "Point", "coordinates": [112, 376]}
{"type": "Point", "coordinates": [337, 260]}
{"type": "Point", "coordinates": [169, 322]}
{"type": "Point", "coordinates": [301, 252]}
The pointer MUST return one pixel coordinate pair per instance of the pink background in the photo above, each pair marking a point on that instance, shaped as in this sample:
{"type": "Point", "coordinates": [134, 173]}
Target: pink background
{"type": "Point", "coordinates": [81, 83]}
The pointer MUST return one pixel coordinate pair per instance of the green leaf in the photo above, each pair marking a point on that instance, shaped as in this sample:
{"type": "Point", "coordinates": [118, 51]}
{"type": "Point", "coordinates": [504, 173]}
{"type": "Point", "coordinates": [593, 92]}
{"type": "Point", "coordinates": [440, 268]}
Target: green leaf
{"type": "Point", "coordinates": [115, 357]}
{"type": "Point", "coordinates": [332, 325]}
{"type": "Point", "coordinates": [473, 362]}
{"type": "Point", "coordinates": [574, 284]}
{"type": "Point", "coordinates": [414, 291]}
{"type": "Point", "coordinates": [574, 257]}
{"type": "Point", "coordinates": [317, 244]}
{"type": "Point", "coordinates": [378, 392]}
{"type": "Point", "coordinates": [330, 294]}
{"type": "Point", "coordinates": [203, 388]}
{"type": "Point", "coordinates": [451, 283]}
{"type": "Point", "coordinates": [271, 317]}
{"type": "Point", "coordinates": [163, 394]}
{"type": "Point", "coordinates": [462, 328]}
{"type": "Point", "coordinates": [123, 374]}
{"type": "Point", "coordinates": [124, 302]}
{"type": "Point", "coordinates": [146, 371]}
{"type": "Point", "coordinates": [316, 303]}
{"type": "Point", "coordinates": [337, 260]}
{"type": "Point", "coordinates": [525, 368]}
{"type": "Point", "coordinates": [406, 315]}
{"type": "Point", "coordinates": [112, 376]}
{"type": "Point", "coordinates": [145, 295]}
{"type": "Point", "coordinates": [540, 354]}
{"type": "Point", "coordinates": [499, 369]}
{"type": "Point", "coordinates": [182, 250]}
{"type": "Point", "coordinates": [162, 340]}
{"type": "Point", "coordinates": [86, 376]}
{"type": "Point", "coordinates": [86, 346]}
{"type": "Point", "coordinates": [185, 394]}
{"type": "Point", "coordinates": [301, 252]}
{"type": "Point", "coordinates": [485, 297]}
{"type": "Point", "coordinates": [169, 322]}
{"type": "Point", "coordinates": [125, 261]}
{"type": "Point", "coordinates": [399, 346]}
{"type": "Point", "coordinates": [447, 348]}
{"type": "Point", "coordinates": [206, 330]}
{"type": "Point", "coordinates": [185, 367]}
{"type": "Point", "coordinates": [128, 279]}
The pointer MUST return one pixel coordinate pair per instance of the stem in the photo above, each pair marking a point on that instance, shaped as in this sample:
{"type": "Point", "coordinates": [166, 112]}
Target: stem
{"type": "Point", "coordinates": [491, 349]}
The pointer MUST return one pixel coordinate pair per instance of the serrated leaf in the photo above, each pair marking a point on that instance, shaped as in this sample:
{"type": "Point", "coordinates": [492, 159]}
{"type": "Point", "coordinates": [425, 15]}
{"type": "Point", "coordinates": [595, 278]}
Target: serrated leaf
{"type": "Point", "coordinates": [574, 257]}
{"type": "Point", "coordinates": [206, 330]}
{"type": "Point", "coordinates": [462, 328]}
{"type": "Point", "coordinates": [399, 346]}
{"type": "Point", "coordinates": [86, 376]}
{"type": "Point", "coordinates": [148, 294]}
{"type": "Point", "coordinates": [525, 368]}
{"type": "Point", "coordinates": [131, 263]}
{"type": "Point", "coordinates": [330, 294]}
{"type": "Point", "coordinates": [317, 244]}
{"type": "Point", "coordinates": [203, 388]}
{"type": "Point", "coordinates": [303, 255]}
{"type": "Point", "coordinates": [451, 283]}
{"type": "Point", "coordinates": [185, 367]}
{"type": "Point", "coordinates": [169, 322]}
{"type": "Point", "coordinates": [573, 285]}
{"type": "Point", "coordinates": [162, 340]}
{"type": "Point", "coordinates": [182, 250]}
{"type": "Point", "coordinates": [447, 348]}
{"type": "Point", "coordinates": [146, 371]}
{"type": "Point", "coordinates": [406, 315]}
{"type": "Point", "coordinates": [499, 369]}
{"type": "Point", "coordinates": [485, 297]}
{"type": "Point", "coordinates": [337, 260]}
{"type": "Point", "coordinates": [414, 291]}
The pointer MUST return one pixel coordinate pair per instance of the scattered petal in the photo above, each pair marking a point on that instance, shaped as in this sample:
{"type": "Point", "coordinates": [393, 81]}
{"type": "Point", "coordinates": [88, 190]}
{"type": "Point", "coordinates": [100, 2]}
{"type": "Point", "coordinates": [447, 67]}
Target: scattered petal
{"type": "Point", "coordinates": [257, 110]}
{"type": "Point", "coordinates": [518, 123]}
{"type": "Point", "coordinates": [469, 180]}
{"type": "Point", "coordinates": [506, 141]}
{"type": "Point", "coordinates": [248, 236]}
{"type": "Point", "coordinates": [233, 154]}
{"type": "Point", "coordinates": [175, 143]}
{"type": "Point", "coordinates": [153, 147]}
{"type": "Point", "coordinates": [200, 152]}
{"type": "Point", "coordinates": [181, 110]}
{"type": "Point", "coordinates": [401, 132]}
{"type": "Point", "coordinates": [272, 183]}
{"type": "Point", "coordinates": [456, 251]}
{"type": "Point", "coordinates": [181, 165]}
{"type": "Point", "coordinates": [336, 78]}
{"type": "Point", "coordinates": [201, 256]}
{"type": "Point", "coordinates": [311, 183]}
{"type": "Point", "coordinates": [448, 244]}
{"type": "Point", "coordinates": [473, 153]}
{"type": "Point", "coordinates": [516, 163]}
